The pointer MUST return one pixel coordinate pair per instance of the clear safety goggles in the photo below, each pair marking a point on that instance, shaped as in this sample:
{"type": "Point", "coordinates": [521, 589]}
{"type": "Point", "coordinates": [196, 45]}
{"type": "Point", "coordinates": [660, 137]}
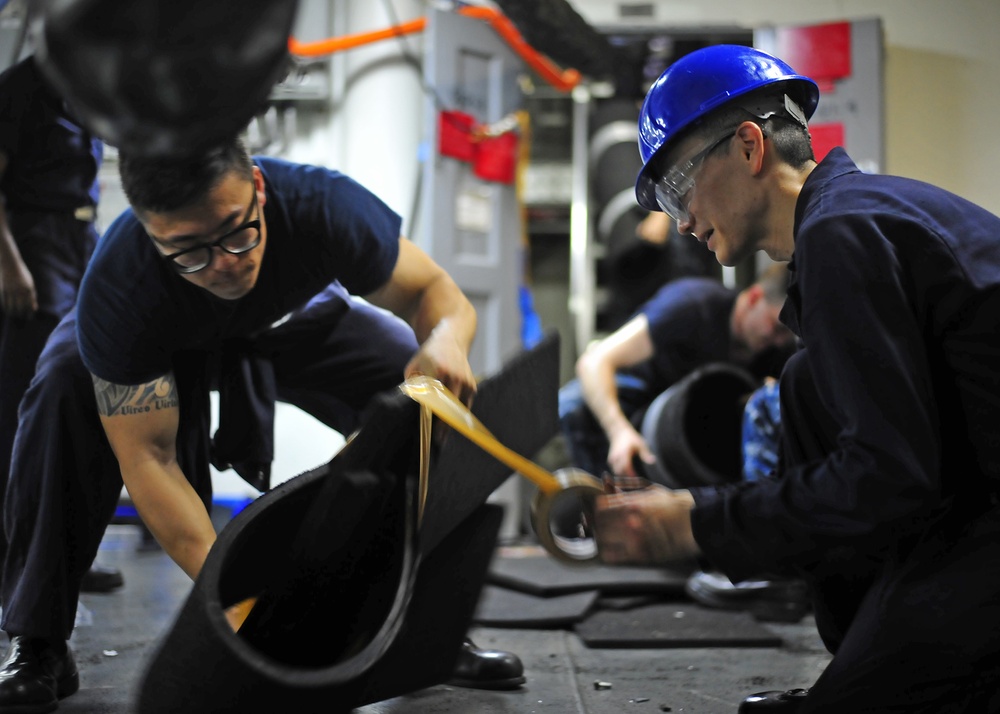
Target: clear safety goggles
{"type": "Point", "coordinates": [673, 190]}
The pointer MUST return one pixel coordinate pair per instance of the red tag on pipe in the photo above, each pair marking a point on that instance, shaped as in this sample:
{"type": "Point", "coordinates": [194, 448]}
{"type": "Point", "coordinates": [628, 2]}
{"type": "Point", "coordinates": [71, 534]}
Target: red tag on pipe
{"type": "Point", "coordinates": [496, 158]}
{"type": "Point", "coordinates": [455, 135]}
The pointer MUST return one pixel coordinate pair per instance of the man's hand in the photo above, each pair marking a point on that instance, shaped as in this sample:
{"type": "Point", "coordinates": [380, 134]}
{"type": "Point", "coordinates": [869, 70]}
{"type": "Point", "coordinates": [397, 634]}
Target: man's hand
{"type": "Point", "coordinates": [443, 357]}
{"type": "Point", "coordinates": [625, 444]}
{"type": "Point", "coordinates": [654, 228]}
{"type": "Point", "coordinates": [647, 527]}
{"type": "Point", "coordinates": [18, 298]}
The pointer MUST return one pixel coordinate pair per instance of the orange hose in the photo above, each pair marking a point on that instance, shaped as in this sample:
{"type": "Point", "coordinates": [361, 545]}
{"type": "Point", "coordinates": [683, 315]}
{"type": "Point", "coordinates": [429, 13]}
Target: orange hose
{"type": "Point", "coordinates": [563, 80]}
{"type": "Point", "coordinates": [321, 48]}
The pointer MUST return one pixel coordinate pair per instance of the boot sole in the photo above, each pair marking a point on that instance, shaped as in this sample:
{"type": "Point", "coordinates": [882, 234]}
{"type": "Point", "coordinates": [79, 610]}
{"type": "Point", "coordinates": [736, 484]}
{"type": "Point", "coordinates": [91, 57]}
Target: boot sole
{"type": "Point", "coordinates": [69, 685]}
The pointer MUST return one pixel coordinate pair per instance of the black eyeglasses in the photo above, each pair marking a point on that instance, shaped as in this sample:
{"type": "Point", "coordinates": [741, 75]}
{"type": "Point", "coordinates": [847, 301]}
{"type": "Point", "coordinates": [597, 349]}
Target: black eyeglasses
{"type": "Point", "coordinates": [241, 239]}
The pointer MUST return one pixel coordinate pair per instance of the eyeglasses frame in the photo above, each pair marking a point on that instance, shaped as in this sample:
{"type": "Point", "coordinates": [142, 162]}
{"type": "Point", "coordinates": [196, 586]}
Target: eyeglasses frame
{"type": "Point", "coordinates": [218, 243]}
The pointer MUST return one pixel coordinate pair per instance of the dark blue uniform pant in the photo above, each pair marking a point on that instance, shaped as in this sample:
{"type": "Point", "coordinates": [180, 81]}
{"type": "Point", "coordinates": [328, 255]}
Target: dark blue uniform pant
{"type": "Point", "coordinates": [56, 249]}
{"type": "Point", "coordinates": [65, 481]}
{"type": "Point", "coordinates": [916, 630]}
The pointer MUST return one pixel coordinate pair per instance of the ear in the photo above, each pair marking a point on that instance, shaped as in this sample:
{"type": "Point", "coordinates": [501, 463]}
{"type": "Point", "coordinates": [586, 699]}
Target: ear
{"type": "Point", "coordinates": [258, 186]}
{"type": "Point", "coordinates": [755, 293]}
{"type": "Point", "coordinates": [750, 140]}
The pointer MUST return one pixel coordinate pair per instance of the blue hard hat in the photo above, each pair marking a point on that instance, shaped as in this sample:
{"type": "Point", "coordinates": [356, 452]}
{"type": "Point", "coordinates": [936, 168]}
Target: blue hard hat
{"type": "Point", "coordinates": [699, 83]}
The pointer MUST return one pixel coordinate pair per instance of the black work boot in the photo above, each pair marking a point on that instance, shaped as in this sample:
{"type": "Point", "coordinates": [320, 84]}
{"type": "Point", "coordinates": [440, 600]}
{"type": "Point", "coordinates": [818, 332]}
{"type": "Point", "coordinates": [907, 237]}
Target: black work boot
{"type": "Point", "coordinates": [486, 669]}
{"type": "Point", "coordinates": [35, 675]}
{"type": "Point", "coordinates": [101, 579]}
{"type": "Point", "coordinates": [776, 702]}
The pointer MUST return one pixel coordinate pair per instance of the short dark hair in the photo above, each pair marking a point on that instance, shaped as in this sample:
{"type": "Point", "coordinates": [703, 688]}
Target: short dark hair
{"type": "Point", "coordinates": [162, 184]}
{"type": "Point", "coordinates": [790, 138]}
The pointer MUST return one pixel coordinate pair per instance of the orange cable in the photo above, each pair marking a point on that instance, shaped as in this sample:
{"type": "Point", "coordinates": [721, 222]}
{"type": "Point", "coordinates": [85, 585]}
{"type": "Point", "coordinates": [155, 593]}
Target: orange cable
{"type": "Point", "coordinates": [563, 80]}
{"type": "Point", "coordinates": [321, 48]}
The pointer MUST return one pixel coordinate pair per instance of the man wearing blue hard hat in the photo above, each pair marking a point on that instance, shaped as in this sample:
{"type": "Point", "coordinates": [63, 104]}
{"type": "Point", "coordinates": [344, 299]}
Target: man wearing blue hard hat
{"type": "Point", "coordinates": [887, 498]}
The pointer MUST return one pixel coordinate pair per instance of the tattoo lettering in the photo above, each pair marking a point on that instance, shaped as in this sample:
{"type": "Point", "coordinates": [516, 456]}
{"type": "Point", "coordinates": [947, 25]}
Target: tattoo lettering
{"type": "Point", "coordinates": [122, 400]}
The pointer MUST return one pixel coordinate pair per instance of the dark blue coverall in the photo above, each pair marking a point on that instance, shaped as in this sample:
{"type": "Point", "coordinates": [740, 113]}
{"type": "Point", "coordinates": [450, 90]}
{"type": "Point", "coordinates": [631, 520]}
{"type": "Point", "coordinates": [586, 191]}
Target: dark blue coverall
{"type": "Point", "coordinates": [50, 192]}
{"type": "Point", "coordinates": [689, 328]}
{"type": "Point", "coordinates": [887, 499]}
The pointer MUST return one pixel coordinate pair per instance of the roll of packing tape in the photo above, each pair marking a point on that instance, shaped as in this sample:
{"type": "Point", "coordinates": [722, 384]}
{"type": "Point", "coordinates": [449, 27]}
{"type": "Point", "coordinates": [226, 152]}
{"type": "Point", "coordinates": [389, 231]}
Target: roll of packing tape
{"type": "Point", "coordinates": [574, 484]}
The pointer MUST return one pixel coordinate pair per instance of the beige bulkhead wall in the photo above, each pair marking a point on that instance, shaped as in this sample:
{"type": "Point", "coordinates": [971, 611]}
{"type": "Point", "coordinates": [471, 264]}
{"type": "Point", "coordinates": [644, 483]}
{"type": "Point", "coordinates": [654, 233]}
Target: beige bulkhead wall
{"type": "Point", "coordinates": [942, 75]}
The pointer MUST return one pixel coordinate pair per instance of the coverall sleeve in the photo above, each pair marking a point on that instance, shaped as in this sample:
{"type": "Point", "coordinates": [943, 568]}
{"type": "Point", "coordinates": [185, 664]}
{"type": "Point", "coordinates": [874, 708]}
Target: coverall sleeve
{"type": "Point", "coordinates": [867, 357]}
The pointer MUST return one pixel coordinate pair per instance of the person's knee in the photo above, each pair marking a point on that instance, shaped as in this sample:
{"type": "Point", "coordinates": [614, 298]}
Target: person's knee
{"type": "Point", "coordinates": [904, 680]}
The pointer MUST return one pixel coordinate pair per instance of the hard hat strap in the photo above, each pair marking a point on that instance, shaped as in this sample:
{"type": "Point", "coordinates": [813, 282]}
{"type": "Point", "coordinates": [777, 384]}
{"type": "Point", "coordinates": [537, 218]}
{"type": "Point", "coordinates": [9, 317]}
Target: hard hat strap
{"type": "Point", "coordinates": [783, 107]}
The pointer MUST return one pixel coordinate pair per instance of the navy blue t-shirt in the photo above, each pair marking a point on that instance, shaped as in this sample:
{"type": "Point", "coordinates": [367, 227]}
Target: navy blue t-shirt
{"type": "Point", "coordinates": [135, 312]}
{"type": "Point", "coordinates": [689, 327]}
{"type": "Point", "coordinates": [52, 159]}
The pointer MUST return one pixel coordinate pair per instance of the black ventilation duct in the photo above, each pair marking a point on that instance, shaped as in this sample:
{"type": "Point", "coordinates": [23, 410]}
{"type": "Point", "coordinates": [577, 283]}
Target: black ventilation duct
{"type": "Point", "coordinates": [554, 28]}
{"type": "Point", "coordinates": [164, 77]}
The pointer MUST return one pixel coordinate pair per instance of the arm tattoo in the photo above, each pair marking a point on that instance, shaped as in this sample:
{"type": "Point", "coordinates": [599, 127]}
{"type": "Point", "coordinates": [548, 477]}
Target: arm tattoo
{"type": "Point", "coordinates": [121, 400]}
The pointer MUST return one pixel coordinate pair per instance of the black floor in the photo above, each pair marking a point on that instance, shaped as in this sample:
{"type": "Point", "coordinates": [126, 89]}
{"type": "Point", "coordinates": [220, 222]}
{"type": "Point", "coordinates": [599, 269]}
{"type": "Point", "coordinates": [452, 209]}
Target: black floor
{"type": "Point", "coordinates": [116, 632]}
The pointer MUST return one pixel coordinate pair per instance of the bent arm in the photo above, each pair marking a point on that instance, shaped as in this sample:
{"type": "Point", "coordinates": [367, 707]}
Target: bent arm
{"type": "Point", "coordinates": [443, 319]}
{"type": "Point", "coordinates": [141, 423]}
{"type": "Point", "coordinates": [596, 369]}
{"type": "Point", "coordinates": [17, 286]}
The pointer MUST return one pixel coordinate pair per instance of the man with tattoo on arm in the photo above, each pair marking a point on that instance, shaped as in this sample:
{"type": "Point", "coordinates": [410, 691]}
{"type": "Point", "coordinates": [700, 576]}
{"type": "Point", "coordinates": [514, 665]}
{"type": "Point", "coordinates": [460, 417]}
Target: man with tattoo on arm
{"type": "Point", "coordinates": [231, 273]}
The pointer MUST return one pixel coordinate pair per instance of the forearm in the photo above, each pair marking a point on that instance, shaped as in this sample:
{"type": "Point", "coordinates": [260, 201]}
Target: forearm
{"type": "Point", "coordinates": [444, 322]}
{"type": "Point", "coordinates": [444, 309]}
{"type": "Point", "coordinates": [141, 422]}
{"type": "Point", "coordinates": [600, 391]}
{"type": "Point", "coordinates": [17, 286]}
{"type": "Point", "coordinates": [442, 318]}
{"type": "Point", "coordinates": [9, 252]}
{"type": "Point", "coordinates": [173, 512]}
{"type": "Point", "coordinates": [8, 249]}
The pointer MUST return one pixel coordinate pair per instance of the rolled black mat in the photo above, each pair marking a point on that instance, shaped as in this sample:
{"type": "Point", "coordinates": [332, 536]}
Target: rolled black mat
{"type": "Point", "coordinates": [201, 666]}
{"type": "Point", "coordinates": [693, 428]}
{"type": "Point", "coordinates": [353, 604]}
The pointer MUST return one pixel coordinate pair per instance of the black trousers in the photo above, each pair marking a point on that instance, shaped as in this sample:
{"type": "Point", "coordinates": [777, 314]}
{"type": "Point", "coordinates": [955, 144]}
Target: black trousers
{"type": "Point", "coordinates": [65, 481]}
{"type": "Point", "coordinates": [917, 629]}
{"type": "Point", "coordinates": [55, 248]}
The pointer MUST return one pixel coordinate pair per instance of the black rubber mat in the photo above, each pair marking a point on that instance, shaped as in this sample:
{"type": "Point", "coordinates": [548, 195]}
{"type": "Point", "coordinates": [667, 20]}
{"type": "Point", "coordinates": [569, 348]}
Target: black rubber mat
{"type": "Point", "coordinates": [673, 625]}
{"type": "Point", "coordinates": [519, 405]}
{"type": "Point", "coordinates": [543, 575]}
{"type": "Point", "coordinates": [347, 613]}
{"type": "Point", "coordinates": [630, 602]}
{"type": "Point", "coordinates": [502, 607]}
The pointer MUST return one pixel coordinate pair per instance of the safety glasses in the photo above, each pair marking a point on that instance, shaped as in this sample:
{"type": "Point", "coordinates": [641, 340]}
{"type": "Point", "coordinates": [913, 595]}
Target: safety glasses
{"type": "Point", "coordinates": [674, 188]}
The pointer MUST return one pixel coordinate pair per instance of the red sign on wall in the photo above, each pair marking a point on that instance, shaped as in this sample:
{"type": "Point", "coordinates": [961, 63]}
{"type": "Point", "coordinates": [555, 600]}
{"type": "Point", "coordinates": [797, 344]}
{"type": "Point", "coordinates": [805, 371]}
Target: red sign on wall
{"type": "Point", "coordinates": [825, 137]}
{"type": "Point", "coordinates": [822, 52]}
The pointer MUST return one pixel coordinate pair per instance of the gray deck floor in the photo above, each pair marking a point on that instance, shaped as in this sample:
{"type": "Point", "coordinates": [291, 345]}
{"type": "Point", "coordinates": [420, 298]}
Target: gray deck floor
{"type": "Point", "coordinates": [117, 631]}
